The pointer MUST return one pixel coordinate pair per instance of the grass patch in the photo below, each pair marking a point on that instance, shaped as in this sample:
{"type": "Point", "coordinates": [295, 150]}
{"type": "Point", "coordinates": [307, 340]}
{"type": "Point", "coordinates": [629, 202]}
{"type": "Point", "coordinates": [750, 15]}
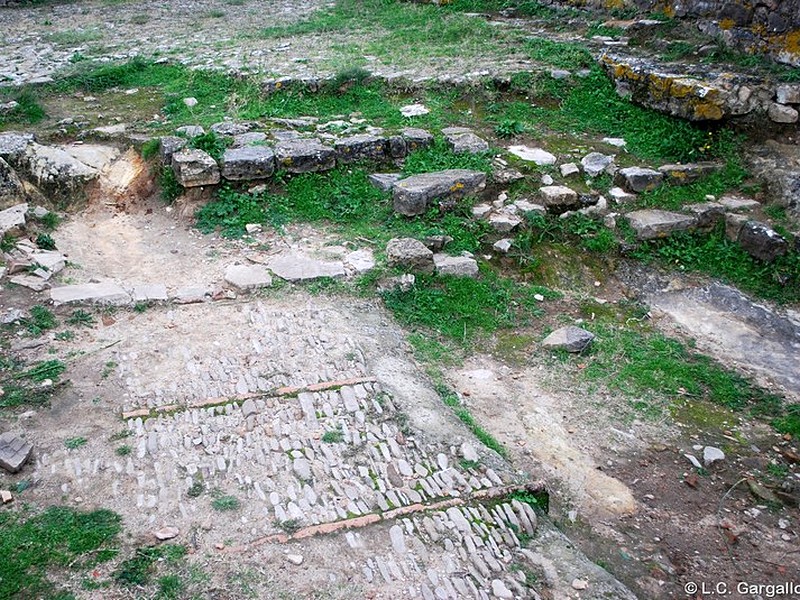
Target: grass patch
{"type": "Point", "coordinates": [57, 538]}
{"type": "Point", "coordinates": [80, 317]}
{"type": "Point", "coordinates": [28, 111]}
{"type": "Point", "coordinates": [225, 503]}
{"type": "Point", "coordinates": [74, 37]}
{"type": "Point", "coordinates": [717, 256]}
{"type": "Point", "coordinates": [75, 443]}
{"type": "Point", "coordinates": [139, 569]}
{"type": "Point", "coordinates": [40, 320]}
{"type": "Point", "coordinates": [650, 366]}
{"type": "Point", "coordinates": [449, 398]}
{"type": "Point", "coordinates": [461, 308]}
{"type": "Point", "coordinates": [23, 386]}
{"type": "Point", "coordinates": [333, 436]}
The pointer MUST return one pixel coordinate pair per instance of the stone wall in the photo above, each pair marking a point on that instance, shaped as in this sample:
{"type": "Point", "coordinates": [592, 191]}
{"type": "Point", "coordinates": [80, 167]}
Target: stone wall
{"type": "Point", "coordinates": [770, 27]}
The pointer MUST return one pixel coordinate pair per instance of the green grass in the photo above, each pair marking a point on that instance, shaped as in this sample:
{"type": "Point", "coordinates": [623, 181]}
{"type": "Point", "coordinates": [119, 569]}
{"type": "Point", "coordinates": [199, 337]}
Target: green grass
{"type": "Point", "coordinates": [40, 320]}
{"type": "Point", "coordinates": [56, 539]}
{"type": "Point", "coordinates": [333, 436]}
{"type": "Point", "coordinates": [653, 367]}
{"type": "Point", "coordinates": [74, 37]}
{"type": "Point", "coordinates": [713, 254]}
{"type": "Point", "coordinates": [225, 503]}
{"type": "Point", "coordinates": [22, 386]}
{"type": "Point", "coordinates": [138, 570]}
{"type": "Point", "coordinates": [27, 112]}
{"type": "Point", "coordinates": [75, 443]}
{"type": "Point", "coordinates": [82, 318]}
{"type": "Point", "coordinates": [463, 309]}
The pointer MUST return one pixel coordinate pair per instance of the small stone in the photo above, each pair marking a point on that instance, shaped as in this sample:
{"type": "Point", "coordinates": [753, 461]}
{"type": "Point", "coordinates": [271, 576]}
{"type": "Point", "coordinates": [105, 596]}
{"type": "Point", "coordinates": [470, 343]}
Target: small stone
{"type": "Point", "coordinates": [693, 459]}
{"type": "Point", "coordinates": [14, 452]}
{"type": "Point", "coordinates": [712, 455]}
{"type": "Point", "coordinates": [416, 138]}
{"type": "Point", "coordinates": [468, 452]}
{"type": "Point", "coordinates": [617, 142]}
{"type": "Point", "coordinates": [190, 102]}
{"type": "Point", "coordinates": [788, 94]}
{"type": "Point", "coordinates": [596, 163]}
{"type": "Point", "coordinates": [535, 155]}
{"type": "Point", "coordinates": [252, 228]}
{"type": "Point", "coordinates": [760, 241]}
{"type": "Point", "coordinates": [12, 218]}
{"type": "Point", "coordinates": [398, 539]}
{"type": "Point", "coordinates": [166, 533]}
{"type": "Point", "coordinates": [481, 210]}
{"type": "Point", "coordinates": [570, 338]}
{"type": "Point", "coordinates": [295, 559]}
{"type": "Point", "coordinates": [559, 198]}
{"type": "Point", "coordinates": [579, 584]}
{"type": "Point", "coordinates": [503, 245]}
{"type": "Point", "coordinates": [6, 497]}
{"type": "Point", "coordinates": [569, 169]}
{"type": "Point", "coordinates": [547, 179]}
{"type": "Point", "coordinates": [504, 222]}
{"type": "Point", "coordinates": [620, 195]}
{"type": "Point", "coordinates": [499, 590]}
{"type": "Point", "coordinates": [190, 131]}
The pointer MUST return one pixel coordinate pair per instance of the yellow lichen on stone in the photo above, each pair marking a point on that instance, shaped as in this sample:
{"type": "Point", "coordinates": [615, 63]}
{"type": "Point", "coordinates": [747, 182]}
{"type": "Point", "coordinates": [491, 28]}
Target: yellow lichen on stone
{"type": "Point", "coordinates": [705, 110]}
{"type": "Point", "coordinates": [726, 24]}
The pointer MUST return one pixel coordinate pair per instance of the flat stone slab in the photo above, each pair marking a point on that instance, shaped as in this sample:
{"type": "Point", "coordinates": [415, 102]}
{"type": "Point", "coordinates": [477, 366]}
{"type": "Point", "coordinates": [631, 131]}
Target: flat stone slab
{"type": "Point", "coordinates": [738, 203]}
{"type": "Point", "coordinates": [535, 155]}
{"type": "Point", "coordinates": [651, 224]}
{"type": "Point", "coordinates": [169, 145]}
{"type": "Point", "coordinates": [248, 277]}
{"type": "Point", "coordinates": [195, 168]}
{"type": "Point", "coordinates": [361, 147]}
{"type": "Point", "coordinates": [55, 166]}
{"type": "Point", "coordinates": [360, 261]}
{"type": "Point", "coordinates": [299, 267]}
{"type": "Point", "coordinates": [248, 162]}
{"type": "Point", "coordinates": [458, 266]}
{"type": "Point", "coordinates": [14, 452]}
{"type": "Point", "coordinates": [304, 156]}
{"type": "Point", "coordinates": [90, 293]}
{"type": "Point", "coordinates": [49, 262]}
{"type": "Point", "coordinates": [570, 338]}
{"type": "Point", "coordinates": [12, 218]}
{"type": "Point", "coordinates": [413, 194]}
{"type": "Point", "coordinates": [150, 292]}
{"type": "Point", "coordinates": [32, 282]}
{"type": "Point", "coordinates": [96, 156]}
{"type": "Point", "coordinates": [464, 141]}
{"type": "Point", "coordinates": [681, 174]}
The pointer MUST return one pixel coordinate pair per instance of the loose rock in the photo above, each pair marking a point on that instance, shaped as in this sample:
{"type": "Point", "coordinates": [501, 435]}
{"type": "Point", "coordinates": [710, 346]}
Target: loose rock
{"type": "Point", "coordinates": [14, 452]}
{"type": "Point", "coordinates": [409, 253]}
{"type": "Point", "coordinates": [570, 338]}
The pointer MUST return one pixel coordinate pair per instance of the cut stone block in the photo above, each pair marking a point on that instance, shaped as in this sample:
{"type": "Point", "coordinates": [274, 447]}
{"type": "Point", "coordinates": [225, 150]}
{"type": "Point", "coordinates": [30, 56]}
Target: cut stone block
{"type": "Point", "coordinates": [504, 222]}
{"type": "Point", "coordinates": [736, 203]}
{"type": "Point", "coordinates": [13, 145]}
{"type": "Point", "coordinates": [458, 266]}
{"type": "Point", "coordinates": [464, 141]}
{"type": "Point", "coordinates": [733, 225]}
{"type": "Point", "coordinates": [559, 198]}
{"type": "Point", "coordinates": [248, 162]}
{"type": "Point", "coordinates": [689, 172]}
{"type": "Point", "coordinates": [32, 282]}
{"type": "Point", "coordinates": [150, 292]}
{"type": "Point", "coordinates": [416, 138]}
{"type": "Point", "coordinates": [169, 145]}
{"type": "Point", "coordinates": [570, 338]}
{"type": "Point", "coordinates": [249, 138]}
{"type": "Point", "coordinates": [195, 168]}
{"type": "Point", "coordinates": [90, 293]}
{"type": "Point", "coordinates": [637, 179]}
{"type": "Point", "coordinates": [760, 241]}
{"type": "Point", "coordinates": [56, 167]}
{"type": "Point", "coordinates": [651, 224]}
{"type": "Point", "coordinates": [413, 195]}
{"type": "Point", "coordinates": [708, 214]}
{"type": "Point", "coordinates": [304, 156]}
{"type": "Point", "coordinates": [248, 277]}
{"type": "Point", "coordinates": [14, 452]}
{"type": "Point", "coordinates": [361, 147]}
{"type": "Point", "coordinates": [384, 181]}
{"type": "Point", "coordinates": [298, 267]}
{"type": "Point", "coordinates": [409, 253]}
{"type": "Point", "coordinates": [569, 169]}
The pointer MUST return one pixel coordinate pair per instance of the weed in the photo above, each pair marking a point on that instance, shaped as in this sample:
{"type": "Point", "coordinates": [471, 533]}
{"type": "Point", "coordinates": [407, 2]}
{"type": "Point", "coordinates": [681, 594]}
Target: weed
{"type": "Point", "coordinates": [50, 220]}
{"type": "Point", "coordinates": [123, 450]}
{"type": "Point", "coordinates": [462, 308]}
{"type": "Point", "coordinates": [80, 317]}
{"type": "Point", "coordinates": [290, 526]}
{"type": "Point", "coordinates": [170, 587]}
{"type": "Point", "coordinates": [48, 369]}
{"type": "Point", "coordinates": [108, 369]}
{"type": "Point", "coordinates": [151, 148]}
{"type": "Point", "coordinates": [45, 241]}
{"type": "Point", "coordinates": [75, 443]}
{"type": "Point", "coordinates": [120, 435]}
{"type": "Point", "coordinates": [58, 538]}
{"type": "Point", "coordinates": [508, 128]}
{"type": "Point", "coordinates": [168, 182]}
{"type": "Point", "coordinates": [40, 320]}
{"type": "Point", "coordinates": [211, 143]}
{"type": "Point", "coordinates": [196, 489]}
{"type": "Point", "coordinates": [141, 307]}
{"type": "Point", "coordinates": [28, 111]}
{"type": "Point", "coordinates": [74, 37]}
{"type": "Point", "coordinates": [333, 436]}
{"type": "Point", "coordinates": [469, 465]}
{"type": "Point", "coordinates": [225, 503]}
{"type": "Point", "coordinates": [8, 243]}
{"type": "Point", "coordinates": [215, 14]}
{"type": "Point", "coordinates": [137, 571]}
{"type": "Point", "coordinates": [538, 500]}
